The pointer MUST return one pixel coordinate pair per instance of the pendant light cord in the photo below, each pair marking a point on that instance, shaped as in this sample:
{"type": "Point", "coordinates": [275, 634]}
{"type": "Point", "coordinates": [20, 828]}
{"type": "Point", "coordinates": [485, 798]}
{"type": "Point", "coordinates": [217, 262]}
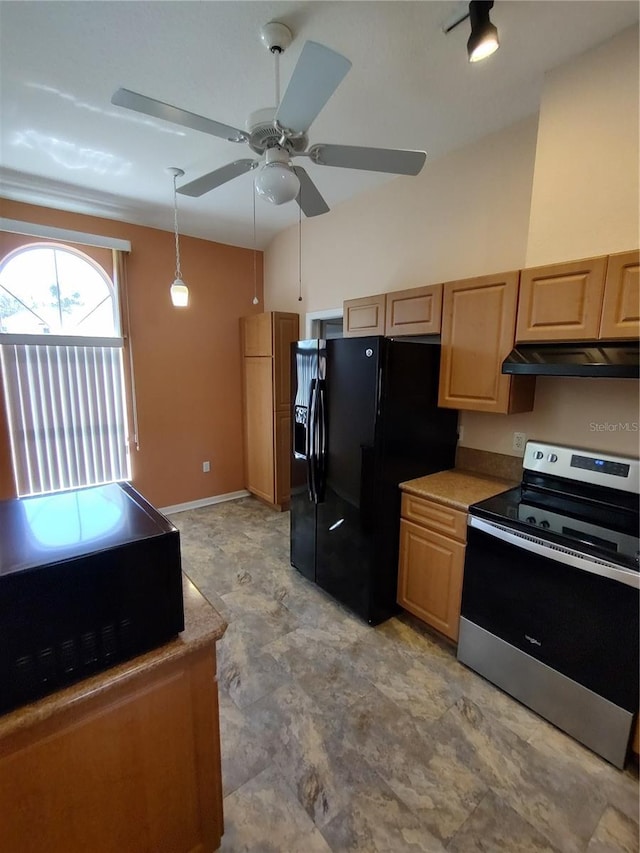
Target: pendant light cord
{"type": "Point", "coordinates": [175, 227]}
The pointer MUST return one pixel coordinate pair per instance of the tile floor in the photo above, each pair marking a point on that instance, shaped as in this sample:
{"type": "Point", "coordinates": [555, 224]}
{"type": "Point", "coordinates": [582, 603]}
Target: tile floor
{"type": "Point", "coordinates": [337, 736]}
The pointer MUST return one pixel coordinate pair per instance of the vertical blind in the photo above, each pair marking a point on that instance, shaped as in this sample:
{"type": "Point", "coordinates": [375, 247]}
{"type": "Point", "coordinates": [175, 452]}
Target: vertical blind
{"type": "Point", "coordinates": [67, 415]}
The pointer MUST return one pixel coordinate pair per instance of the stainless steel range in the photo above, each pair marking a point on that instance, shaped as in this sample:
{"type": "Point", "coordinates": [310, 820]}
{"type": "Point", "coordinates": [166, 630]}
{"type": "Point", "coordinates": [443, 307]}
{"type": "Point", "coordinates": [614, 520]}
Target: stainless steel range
{"type": "Point", "coordinates": [551, 593]}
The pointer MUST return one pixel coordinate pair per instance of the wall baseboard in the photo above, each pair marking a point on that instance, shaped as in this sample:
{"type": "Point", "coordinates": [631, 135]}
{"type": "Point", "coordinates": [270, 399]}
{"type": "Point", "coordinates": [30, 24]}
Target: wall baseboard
{"type": "Point", "coordinates": [214, 499]}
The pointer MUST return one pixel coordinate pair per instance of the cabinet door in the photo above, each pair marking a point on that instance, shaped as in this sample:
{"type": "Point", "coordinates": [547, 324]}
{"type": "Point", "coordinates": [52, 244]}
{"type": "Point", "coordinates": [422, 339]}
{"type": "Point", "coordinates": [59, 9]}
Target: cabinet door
{"type": "Point", "coordinates": [134, 768]}
{"type": "Point", "coordinates": [621, 307]}
{"type": "Point", "coordinates": [414, 312]}
{"type": "Point", "coordinates": [478, 324]}
{"type": "Point", "coordinates": [364, 316]}
{"type": "Point", "coordinates": [561, 302]}
{"type": "Point", "coordinates": [257, 334]}
{"type": "Point", "coordinates": [282, 425]}
{"type": "Point", "coordinates": [258, 423]}
{"type": "Point", "coordinates": [285, 331]}
{"type": "Point", "coordinates": [430, 573]}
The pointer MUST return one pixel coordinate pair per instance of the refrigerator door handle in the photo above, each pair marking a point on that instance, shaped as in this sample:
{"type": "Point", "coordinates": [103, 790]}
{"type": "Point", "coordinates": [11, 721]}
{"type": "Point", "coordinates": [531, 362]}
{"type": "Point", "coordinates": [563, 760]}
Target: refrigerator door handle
{"type": "Point", "coordinates": [321, 457]}
{"type": "Point", "coordinates": [311, 442]}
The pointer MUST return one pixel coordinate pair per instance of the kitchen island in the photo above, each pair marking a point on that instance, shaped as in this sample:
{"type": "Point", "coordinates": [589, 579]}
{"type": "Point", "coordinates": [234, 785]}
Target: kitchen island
{"type": "Point", "coordinates": [127, 760]}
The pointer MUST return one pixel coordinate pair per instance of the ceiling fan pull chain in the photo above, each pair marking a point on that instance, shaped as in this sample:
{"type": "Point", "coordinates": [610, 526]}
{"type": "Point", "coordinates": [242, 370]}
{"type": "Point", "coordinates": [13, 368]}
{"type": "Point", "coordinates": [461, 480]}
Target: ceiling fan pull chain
{"type": "Point", "coordinates": [255, 277]}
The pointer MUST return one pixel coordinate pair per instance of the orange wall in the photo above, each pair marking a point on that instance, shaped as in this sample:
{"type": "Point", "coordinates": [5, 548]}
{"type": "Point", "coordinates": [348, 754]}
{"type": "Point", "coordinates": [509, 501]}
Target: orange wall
{"type": "Point", "coordinates": [187, 361]}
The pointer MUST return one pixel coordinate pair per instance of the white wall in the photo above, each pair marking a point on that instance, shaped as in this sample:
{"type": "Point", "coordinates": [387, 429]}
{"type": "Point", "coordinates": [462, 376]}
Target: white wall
{"type": "Point", "coordinates": [585, 185]}
{"type": "Point", "coordinates": [560, 188]}
{"type": "Point", "coordinates": [584, 203]}
{"type": "Point", "coordinates": [465, 214]}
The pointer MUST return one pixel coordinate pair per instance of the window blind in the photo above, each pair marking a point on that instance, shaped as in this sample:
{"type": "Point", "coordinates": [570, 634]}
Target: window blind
{"type": "Point", "coordinates": [67, 415]}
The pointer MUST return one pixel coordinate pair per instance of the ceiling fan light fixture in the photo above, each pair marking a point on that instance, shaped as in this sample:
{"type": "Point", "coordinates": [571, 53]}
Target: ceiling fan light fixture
{"type": "Point", "coordinates": [483, 40]}
{"type": "Point", "coordinates": [276, 182]}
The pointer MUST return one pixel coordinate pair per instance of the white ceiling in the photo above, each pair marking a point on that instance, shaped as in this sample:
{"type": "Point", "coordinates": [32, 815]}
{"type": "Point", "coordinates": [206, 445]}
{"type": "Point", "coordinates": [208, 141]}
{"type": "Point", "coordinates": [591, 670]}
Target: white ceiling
{"type": "Point", "coordinates": [64, 145]}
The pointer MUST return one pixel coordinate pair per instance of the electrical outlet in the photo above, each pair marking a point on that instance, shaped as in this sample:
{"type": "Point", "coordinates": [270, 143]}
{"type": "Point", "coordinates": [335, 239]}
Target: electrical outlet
{"type": "Point", "coordinates": [519, 441]}
{"type": "Point", "coordinates": [206, 467]}
{"type": "Point", "coordinates": [460, 434]}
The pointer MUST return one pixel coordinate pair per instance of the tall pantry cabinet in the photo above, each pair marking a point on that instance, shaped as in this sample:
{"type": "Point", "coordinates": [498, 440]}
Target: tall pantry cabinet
{"type": "Point", "coordinates": [266, 371]}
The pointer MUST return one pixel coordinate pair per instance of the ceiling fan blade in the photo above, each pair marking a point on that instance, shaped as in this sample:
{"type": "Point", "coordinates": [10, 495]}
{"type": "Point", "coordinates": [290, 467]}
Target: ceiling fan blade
{"type": "Point", "coordinates": [158, 109]}
{"type": "Point", "coordinates": [392, 160]}
{"type": "Point", "coordinates": [315, 78]}
{"type": "Point", "coordinates": [309, 198]}
{"type": "Point", "coordinates": [216, 178]}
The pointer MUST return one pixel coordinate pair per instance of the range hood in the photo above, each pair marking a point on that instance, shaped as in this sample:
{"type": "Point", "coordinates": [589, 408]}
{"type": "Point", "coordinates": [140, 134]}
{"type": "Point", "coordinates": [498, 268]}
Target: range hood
{"type": "Point", "coordinates": [615, 359]}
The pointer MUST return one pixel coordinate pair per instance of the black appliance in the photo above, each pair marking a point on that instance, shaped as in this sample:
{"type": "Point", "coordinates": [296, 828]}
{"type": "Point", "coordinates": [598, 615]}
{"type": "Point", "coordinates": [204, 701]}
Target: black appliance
{"type": "Point", "coordinates": [550, 594]}
{"type": "Point", "coordinates": [613, 359]}
{"type": "Point", "coordinates": [88, 578]}
{"type": "Point", "coordinates": [365, 418]}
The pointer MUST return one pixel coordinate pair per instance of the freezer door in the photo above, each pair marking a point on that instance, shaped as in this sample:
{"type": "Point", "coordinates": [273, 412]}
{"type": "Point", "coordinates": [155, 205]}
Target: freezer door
{"type": "Point", "coordinates": [345, 520]}
{"type": "Point", "coordinates": [307, 370]}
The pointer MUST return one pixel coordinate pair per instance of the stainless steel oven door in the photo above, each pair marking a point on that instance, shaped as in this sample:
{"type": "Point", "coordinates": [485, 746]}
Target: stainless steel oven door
{"type": "Point", "coordinates": [556, 629]}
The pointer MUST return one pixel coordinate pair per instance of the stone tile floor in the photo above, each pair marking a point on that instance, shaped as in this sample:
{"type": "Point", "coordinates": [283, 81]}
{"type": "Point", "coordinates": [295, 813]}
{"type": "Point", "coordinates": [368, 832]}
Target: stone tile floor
{"type": "Point", "coordinates": [337, 736]}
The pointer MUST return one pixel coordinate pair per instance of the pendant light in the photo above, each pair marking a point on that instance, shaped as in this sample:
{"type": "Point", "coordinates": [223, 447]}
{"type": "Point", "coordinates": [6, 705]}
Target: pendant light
{"type": "Point", "coordinates": [179, 290]}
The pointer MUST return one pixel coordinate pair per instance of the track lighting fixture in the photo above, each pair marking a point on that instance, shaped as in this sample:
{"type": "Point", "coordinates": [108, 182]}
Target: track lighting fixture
{"type": "Point", "coordinates": [179, 290]}
{"type": "Point", "coordinates": [483, 40]}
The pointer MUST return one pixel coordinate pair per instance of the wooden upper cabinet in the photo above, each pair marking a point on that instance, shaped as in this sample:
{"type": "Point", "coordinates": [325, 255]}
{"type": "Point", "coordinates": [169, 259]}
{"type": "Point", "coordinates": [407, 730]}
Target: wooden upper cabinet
{"type": "Point", "coordinates": [621, 307]}
{"type": "Point", "coordinates": [364, 316]}
{"type": "Point", "coordinates": [561, 302]}
{"type": "Point", "coordinates": [257, 337]}
{"type": "Point", "coordinates": [285, 332]}
{"type": "Point", "coordinates": [478, 324]}
{"type": "Point", "coordinates": [414, 312]}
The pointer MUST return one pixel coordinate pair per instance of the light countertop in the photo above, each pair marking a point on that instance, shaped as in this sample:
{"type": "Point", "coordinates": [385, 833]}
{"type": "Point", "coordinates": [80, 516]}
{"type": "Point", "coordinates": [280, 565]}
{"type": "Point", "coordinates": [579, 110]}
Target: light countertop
{"type": "Point", "coordinates": [456, 488]}
{"type": "Point", "coordinates": [203, 626]}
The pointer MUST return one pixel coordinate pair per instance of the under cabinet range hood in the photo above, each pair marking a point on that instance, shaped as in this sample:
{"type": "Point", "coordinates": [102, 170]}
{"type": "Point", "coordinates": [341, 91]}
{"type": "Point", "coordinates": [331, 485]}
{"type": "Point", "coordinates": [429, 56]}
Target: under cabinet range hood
{"type": "Point", "coordinates": [614, 359]}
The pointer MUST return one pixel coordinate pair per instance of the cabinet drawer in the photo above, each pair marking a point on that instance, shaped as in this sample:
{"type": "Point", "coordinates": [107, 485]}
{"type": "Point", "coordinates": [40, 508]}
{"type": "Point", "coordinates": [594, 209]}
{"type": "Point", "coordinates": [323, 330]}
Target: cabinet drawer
{"type": "Point", "coordinates": [434, 516]}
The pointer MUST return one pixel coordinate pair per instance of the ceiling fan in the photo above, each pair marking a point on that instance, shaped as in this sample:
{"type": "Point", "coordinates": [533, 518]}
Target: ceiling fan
{"type": "Point", "coordinates": [279, 134]}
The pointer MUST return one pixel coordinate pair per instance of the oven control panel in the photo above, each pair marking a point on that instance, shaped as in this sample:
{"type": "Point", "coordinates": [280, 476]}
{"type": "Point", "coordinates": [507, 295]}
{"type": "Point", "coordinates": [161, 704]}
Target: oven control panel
{"type": "Point", "coordinates": [587, 466]}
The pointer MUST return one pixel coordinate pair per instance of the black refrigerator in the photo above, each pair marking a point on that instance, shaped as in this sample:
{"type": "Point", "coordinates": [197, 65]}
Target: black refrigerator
{"type": "Point", "coordinates": [365, 418]}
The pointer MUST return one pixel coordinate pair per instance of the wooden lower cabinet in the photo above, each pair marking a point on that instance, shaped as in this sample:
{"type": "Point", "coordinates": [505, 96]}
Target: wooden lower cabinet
{"type": "Point", "coordinates": [431, 565]}
{"type": "Point", "coordinates": [258, 425]}
{"type": "Point", "coordinates": [133, 768]}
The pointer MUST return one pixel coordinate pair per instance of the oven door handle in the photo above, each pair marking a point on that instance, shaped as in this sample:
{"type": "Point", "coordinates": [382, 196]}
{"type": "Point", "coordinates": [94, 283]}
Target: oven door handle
{"type": "Point", "coordinates": [558, 553]}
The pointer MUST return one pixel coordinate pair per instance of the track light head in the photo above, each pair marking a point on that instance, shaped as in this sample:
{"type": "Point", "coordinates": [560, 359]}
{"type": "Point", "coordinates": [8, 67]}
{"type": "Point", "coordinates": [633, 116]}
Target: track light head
{"type": "Point", "coordinates": [483, 40]}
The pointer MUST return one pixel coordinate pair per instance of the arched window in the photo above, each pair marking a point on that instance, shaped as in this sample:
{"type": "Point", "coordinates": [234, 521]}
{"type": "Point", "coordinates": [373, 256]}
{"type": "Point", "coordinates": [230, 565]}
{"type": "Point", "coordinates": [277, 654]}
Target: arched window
{"type": "Point", "coordinates": [62, 367]}
{"type": "Point", "coordinates": [48, 289]}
